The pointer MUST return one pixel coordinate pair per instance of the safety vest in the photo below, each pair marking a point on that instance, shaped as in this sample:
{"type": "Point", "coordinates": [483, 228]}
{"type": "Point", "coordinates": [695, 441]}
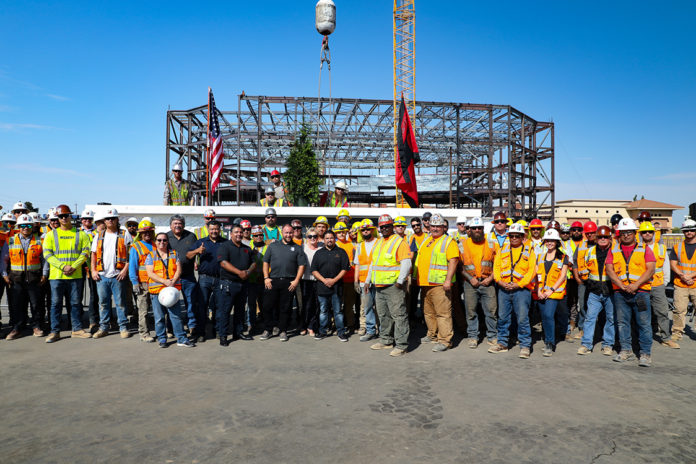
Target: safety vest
{"type": "Point", "coordinates": [660, 252]}
{"type": "Point", "coordinates": [277, 203]}
{"type": "Point", "coordinates": [581, 264]}
{"type": "Point", "coordinates": [684, 265]}
{"type": "Point", "coordinates": [631, 272]}
{"type": "Point", "coordinates": [593, 266]}
{"type": "Point", "coordinates": [364, 259]}
{"type": "Point", "coordinates": [268, 235]}
{"type": "Point", "coordinates": [493, 241]}
{"type": "Point", "coordinates": [336, 203]}
{"type": "Point", "coordinates": [121, 252]}
{"type": "Point", "coordinates": [143, 252]}
{"type": "Point", "coordinates": [20, 261]}
{"type": "Point", "coordinates": [163, 269]}
{"type": "Point", "coordinates": [437, 270]}
{"type": "Point", "coordinates": [349, 248]}
{"type": "Point", "coordinates": [258, 272]}
{"type": "Point", "coordinates": [486, 263]}
{"type": "Point", "coordinates": [65, 250]}
{"type": "Point", "coordinates": [515, 271]}
{"type": "Point", "coordinates": [202, 232]}
{"type": "Point", "coordinates": [547, 281]}
{"type": "Point", "coordinates": [569, 247]}
{"type": "Point", "coordinates": [385, 267]}
{"type": "Point", "coordinates": [178, 196]}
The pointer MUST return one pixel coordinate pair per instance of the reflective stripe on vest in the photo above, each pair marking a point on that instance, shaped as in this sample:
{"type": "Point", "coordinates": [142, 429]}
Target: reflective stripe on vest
{"type": "Point", "coordinates": [437, 272]}
{"type": "Point", "coordinates": [121, 252]}
{"type": "Point", "coordinates": [163, 270]}
{"type": "Point", "coordinates": [582, 265]}
{"type": "Point", "coordinates": [385, 267]}
{"type": "Point", "coordinates": [143, 253]}
{"type": "Point", "coordinates": [178, 195]}
{"type": "Point", "coordinates": [65, 256]}
{"type": "Point", "coordinates": [277, 203]}
{"type": "Point", "coordinates": [660, 252]}
{"type": "Point", "coordinates": [685, 265]}
{"type": "Point", "coordinates": [21, 261]}
{"type": "Point", "coordinates": [593, 266]}
{"type": "Point", "coordinates": [630, 271]}
{"type": "Point", "coordinates": [364, 259]}
{"type": "Point", "coordinates": [511, 269]}
{"type": "Point", "coordinates": [547, 283]}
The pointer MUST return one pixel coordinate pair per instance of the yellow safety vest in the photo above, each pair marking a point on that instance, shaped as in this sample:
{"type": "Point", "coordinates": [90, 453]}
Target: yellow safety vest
{"type": "Point", "coordinates": [178, 196]}
{"type": "Point", "coordinates": [437, 272]}
{"type": "Point", "coordinates": [385, 267]}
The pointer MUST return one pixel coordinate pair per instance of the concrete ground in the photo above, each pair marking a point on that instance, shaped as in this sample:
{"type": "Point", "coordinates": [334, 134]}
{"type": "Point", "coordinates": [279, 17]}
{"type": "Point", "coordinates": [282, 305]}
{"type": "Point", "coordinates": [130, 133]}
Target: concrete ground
{"type": "Point", "coordinates": [307, 401]}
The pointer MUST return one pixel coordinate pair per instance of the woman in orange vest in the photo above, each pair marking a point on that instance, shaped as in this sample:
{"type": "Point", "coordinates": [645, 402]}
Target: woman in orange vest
{"type": "Point", "coordinates": [163, 270]}
{"type": "Point", "coordinates": [551, 275]}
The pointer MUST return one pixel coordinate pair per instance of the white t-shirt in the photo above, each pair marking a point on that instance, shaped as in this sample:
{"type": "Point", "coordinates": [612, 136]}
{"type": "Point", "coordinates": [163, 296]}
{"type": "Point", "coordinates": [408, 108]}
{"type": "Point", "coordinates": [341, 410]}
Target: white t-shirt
{"type": "Point", "coordinates": [109, 252]}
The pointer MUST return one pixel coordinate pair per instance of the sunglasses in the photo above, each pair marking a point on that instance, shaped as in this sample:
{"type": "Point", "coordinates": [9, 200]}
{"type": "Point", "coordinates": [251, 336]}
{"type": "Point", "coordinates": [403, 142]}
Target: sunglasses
{"type": "Point", "coordinates": [53, 220]}
{"type": "Point", "coordinates": [414, 224]}
{"type": "Point", "coordinates": [627, 232]}
{"type": "Point", "coordinates": [257, 235]}
{"type": "Point", "coordinates": [246, 228]}
{"type": "Point", "coordinates": [386, 225]}
{"type": "Point", "coordinates": [297, 227]}
{"type": "Point", "coordinates": [63, 216]}
{"type": "Point", "coordinates": [110, 219]}
{"type": "Point", "coordinates": [26, 226]}
{"type": "Point", "coordinates": [647, 232]}
{"type": "Point", "coordinates": [476, 228]}
{"type": "Point", "coordinates": [603, 237]}
{"type": "Point", "coordinates": [312, 236]}
{"type": "Point", "coordinates": [576, 229]}
{"type": "Point", "coordinates": [500, 221]}
{"type": "Point", "coordinates": [515, 235]}
{"type": "Point", "coordinates": [270, 216]}
{"type": "Point", "coordinates": [162, 240]}
{"type": "Point", "coordinates": [275, 177]}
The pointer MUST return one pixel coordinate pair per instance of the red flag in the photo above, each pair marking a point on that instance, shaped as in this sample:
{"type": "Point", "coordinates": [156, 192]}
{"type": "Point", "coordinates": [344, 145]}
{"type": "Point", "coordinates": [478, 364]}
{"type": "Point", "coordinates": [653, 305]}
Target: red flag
{"type": "Point", "coordinates": [408, 157]}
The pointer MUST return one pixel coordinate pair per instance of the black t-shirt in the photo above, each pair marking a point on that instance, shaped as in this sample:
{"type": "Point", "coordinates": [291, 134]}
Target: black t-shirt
{"type": "Point", "coordinates": [690, 249]}
{"type": "Point", "coordinates": [329, 263]}
{"type": "Point", "coordinates": [182, 246]}
{"type": "Point", "coordinates": [284, 259]}
{"type": "Point", "coordinates": [241, 257]}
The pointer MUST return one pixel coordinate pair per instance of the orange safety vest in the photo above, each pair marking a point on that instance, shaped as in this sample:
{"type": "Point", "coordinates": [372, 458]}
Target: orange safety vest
{"type": "Point", "coordinates": [583, 272]}
{"type": "Point", "coordinates": [547, 281]}
{"type": "Point", "coordinates": [660, 252]}
{"type": "Point", "coordinates": [684, 264]}
{"type": "Point", "coordinates": [143, 253]}
{"type": "Point", "coordinates": [25, 262]}
{"type": "Point", "coordinates": [121, 252]}
{"type": "Point", "coordinates": [349, 248]}
{"type": "Point", "coordinates": [163, 269]}
{"type": "Point", "coordinates": [631, 272]}
{"type": "Point", "coordinates": [514, 271]}
{"type": "Point", "coordinates": [593, 266]}
{"type": "Point", "coordinates": [364, 259]}
{"type": "Point", "coordinates": [486, 263]}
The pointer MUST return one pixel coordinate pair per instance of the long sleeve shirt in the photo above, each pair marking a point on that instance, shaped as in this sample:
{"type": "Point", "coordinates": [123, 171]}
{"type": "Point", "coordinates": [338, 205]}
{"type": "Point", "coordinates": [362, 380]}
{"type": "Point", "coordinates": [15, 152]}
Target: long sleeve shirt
{"type": "Point", "coordinates": [65, 252]}
{"type": "Point", "coordinates": [133, 264]}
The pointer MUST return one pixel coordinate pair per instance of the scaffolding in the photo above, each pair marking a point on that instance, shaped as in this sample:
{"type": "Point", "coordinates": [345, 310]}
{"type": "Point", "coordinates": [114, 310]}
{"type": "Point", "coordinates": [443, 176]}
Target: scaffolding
{"type": "Point", "coordinates": [492, 157]}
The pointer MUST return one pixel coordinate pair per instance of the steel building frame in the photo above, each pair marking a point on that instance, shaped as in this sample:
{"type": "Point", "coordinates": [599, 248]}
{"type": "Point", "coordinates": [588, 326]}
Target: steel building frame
{"type": "Point", "coordinates": [492, 157]}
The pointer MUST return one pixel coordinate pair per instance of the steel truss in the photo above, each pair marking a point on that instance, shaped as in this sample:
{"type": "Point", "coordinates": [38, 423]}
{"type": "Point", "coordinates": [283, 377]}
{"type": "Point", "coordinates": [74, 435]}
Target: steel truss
{"type": "Point", "coordinates": [492, 157]}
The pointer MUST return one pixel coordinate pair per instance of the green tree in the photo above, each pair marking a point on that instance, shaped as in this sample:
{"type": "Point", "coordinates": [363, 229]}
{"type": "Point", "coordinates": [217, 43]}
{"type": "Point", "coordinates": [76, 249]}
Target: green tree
{"type": "Point", "coordinates": [30, 207]}
{"type": "Point", "coordinates": [302, 173]}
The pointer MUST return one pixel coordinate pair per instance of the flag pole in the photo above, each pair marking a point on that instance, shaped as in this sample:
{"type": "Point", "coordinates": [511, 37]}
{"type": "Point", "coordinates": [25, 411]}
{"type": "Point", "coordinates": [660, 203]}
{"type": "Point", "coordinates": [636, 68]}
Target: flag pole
{"type": "Point", "coordinates": [207, 157]}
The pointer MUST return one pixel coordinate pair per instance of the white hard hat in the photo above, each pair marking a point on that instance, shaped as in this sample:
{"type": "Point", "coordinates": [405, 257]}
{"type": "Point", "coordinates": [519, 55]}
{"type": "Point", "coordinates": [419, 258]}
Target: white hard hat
{"type": "Point", "coordinates": [177, 167]}
{"type": "Point", "coordinates": [111, 213]}
{"type": "Point", "coordinates": [19, 206]}
{"type": "Point", "coordinates": [168, 296]}
{"type": "Point", "coordinates": [87, 214]}
{"type": "Point", "coordinates": [476, 222]}
{"type": "Point", "coordinates": [9, 217]}
{"type": "Point", "coordinates": [437, 220]}
{"type": "Point", "coordinates": [99, 217]}
{"type": "Point", "coordinates": [626, 224]}
{"type": "Point", "coordinates": [688, 224]}
{"type": "Point", "coordinates": [341, 185]}
{"type": "Point", "coordinates": [461, 220]}
{"type": "Point", "coordinates": [516, 229]}
{"type": "Point", "coordinates": [52, 214]}
{"type": "Point", "coordinates": [209, 213]}
{"type": "Point", "coordinates": [25, 219]}
{"type": "Point", "coordinates": [551, 234]}
{"type": "Point", "coordinates": [131, 219]}
{"type": "Point", "coordinates": [35, 216]}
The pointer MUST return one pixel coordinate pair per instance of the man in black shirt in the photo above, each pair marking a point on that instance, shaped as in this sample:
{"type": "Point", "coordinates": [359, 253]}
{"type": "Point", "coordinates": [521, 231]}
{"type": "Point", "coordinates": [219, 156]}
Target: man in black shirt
{"type": "Point", "coordinates": [236, 264]}
{"type": "Point", "coordinates": [283, 266]}
{"type": "Point", "coordinates": [329, 266]}
{"type": "Point", "coordinates": [181, 240]}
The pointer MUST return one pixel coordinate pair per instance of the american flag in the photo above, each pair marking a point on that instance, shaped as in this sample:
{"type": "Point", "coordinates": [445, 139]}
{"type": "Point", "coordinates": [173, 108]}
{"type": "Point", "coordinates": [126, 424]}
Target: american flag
{"type": "Point", "coordinates": [214, 145]}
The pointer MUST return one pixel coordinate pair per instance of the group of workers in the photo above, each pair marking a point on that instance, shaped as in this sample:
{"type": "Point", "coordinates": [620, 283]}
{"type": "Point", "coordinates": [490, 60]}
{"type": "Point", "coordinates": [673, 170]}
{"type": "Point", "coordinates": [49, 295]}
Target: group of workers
{"type": "Point", "coordinates": [379, 280]}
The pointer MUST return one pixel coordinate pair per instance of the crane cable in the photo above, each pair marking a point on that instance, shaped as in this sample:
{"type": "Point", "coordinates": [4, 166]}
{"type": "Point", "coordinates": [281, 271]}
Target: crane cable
{"type": "Point", "coordinates": [324, 56]}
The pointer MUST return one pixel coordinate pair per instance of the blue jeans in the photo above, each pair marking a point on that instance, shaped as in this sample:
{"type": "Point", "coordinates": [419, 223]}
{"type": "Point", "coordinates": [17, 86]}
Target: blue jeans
{"type": "Point", "coordinates": [59, 288]}
{"type": "Point", "coordinates": [108, 287]}
{"type": "Point", "coordinates": [230, 295]}
{"type": "Point", "coordinates": [367, 302]}
{"type": "Point", "coordinates": [547, 308]}
{"type": "Point", "coordinates": [191, 292]}
{"type": "Point", "coordinates": [208, 289]}
{"type": "Point", "coordinates": [595, 304]}
{"type": "Point", "coordinates": [335, 302]}
{"type": "Point", "coordinates": [582, 305]}
{"type": "Point", "coordinates": [159, 312]}
{"type": "Point", "coordinates": [517, 301]}
{"type": "Point", "coordinates": [637, 305]}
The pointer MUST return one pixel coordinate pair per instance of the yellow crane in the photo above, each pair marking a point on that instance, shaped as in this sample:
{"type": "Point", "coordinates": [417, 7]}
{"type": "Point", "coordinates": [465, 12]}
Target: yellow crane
{"type": "Point", "coordinates": [404, 69]}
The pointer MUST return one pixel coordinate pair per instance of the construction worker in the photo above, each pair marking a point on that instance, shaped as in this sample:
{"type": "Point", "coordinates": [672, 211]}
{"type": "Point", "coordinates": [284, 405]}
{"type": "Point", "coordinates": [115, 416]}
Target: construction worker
{"type": "Point", "coordinates": [460, 234]}
{"type": "Point", "coordinates": [631, 266]}
{"type": "Point", "coordinates": [426, 221]}
{"type": "Point", "coordinates": [682, 262]}
{"type": "Point", "coordinates": [436, 265]}
{"type": "Point", "coordinates": [658, 296]}
{"type": "Point", "coordinates": [36, 230]}
{"type": "Point", "coordinates": [66, 249]}
{"type": "Point", "coordinates": [246, 232]}
{"type": "Point", "coordinates": [343, 216]}
{"type": "Point", "coordinates": [270, 199]}
{"type": "Point", "coordinates": [599, 291]}
{"type": "Point", "coordinates": [477, 258]}
{"type": "Point", "coordinates": [281, 191]}
{"type": "Point", "coordinates": [9, 221]}
{"type": "Point", "coordinates": [418, 235]}
{"type": "Point", "coordinates": [342, 240]}
{"type": "Point", "coordinates": [255, 280]}
{"type": "Point", "coordinates": [400, 227]}
{"type": "Point", "coordinates": [571, 239]}
{"type": "Point", "coordinates": [202, 232]}
{"type": "Point", "coordinates": [415, 240]}
{"type": "Point", "coordinates": [580, 275]}
{"type": "Point", "coordinates": [389, 268]}
{"type": "Point", "coordinates": [498, 235]}
{"type": "Point", "coordinates": [271, 232]}
{"type": "Point", "coordinates": [142, 247]}
{"type": "Point", "coordinates": [513, 269]}
{"type": "Point", "coordinates": [644, 217]}
{"type": "Point", "coordinates": [614, 221]}
{"type": "Point", "coordinates": [536, 230]}
{"type": "Point", "coordinates": [24, 271]}
{"type": "Point", "coordinates": [19, 209]}
{"type": "Point", "coordinates": [87, 226]}
{"type": "Point", "coordinates": [176, 189]}
{"type": "Point", "coordinates": [109, 270]}
{"type": "Point", "coordinates": [362, 260]}
{"type": "Point", "coordinates": [339, 198]}
{"type": "Point", "coordinates": [354, 232]}
{"type": "Point", "coordinates": [296, 225]}
{"type": "Point", "coordinates": [321, 225]}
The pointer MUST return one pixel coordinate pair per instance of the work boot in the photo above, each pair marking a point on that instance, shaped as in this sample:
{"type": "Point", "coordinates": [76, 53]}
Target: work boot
{"type": "Point", "coordinates": [645, 360]}
{"type": "Point", "coordinates": [439, 347]}
{"type": "Point", "coordinates": [669, 343]}
{"type": "Point", "coordinates": [578, 336]}
{"type": "Point", "coordinates": [607, 351]}
{"type": "Point", "coordinates": [38, 332]}
{"type": "Point", "coordinates": [13, 335]}
{"type": "Point", "coordinates": [380, 346]}
{"type": "Point", "coordinates": [548, 351]}
{"type": "Point", "coordinates": [146, 338]}
{"type": "Point", "coordinates": [100, 334]}
{"type": "Point", "coordinates": [524, 353]}
{"type": "Point", "coordinates": [53, 337]}
{"type": "Point", "coordinates": [125, 334]}
{"type": "Point", "coordinates": [397, 352]}
{"type": "Point", "coordinates": [472, 343]}
{"type": "Point", "coordinates": [623, 356]}
{"type": "Point", "coordinates": [428, 339]}
{"type": "Point", "coordinates": [498, 348]}
{"type": "Point", "coordinates": [265, 335]}
{"type": "Point", "coordinates": [569, 338]}
{"type": "Point", "coordinates": [80, 334]}
{"type": "Point", "coordinates": [224, 342]}
{"type": "Point", "coordinates": [584, 350]}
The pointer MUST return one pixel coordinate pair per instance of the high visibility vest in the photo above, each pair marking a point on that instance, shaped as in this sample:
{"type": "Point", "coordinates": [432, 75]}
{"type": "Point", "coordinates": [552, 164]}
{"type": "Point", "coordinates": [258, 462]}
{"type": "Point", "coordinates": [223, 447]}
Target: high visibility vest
{"type": "Point", "coordinates": [593, 266]}
{"type": "Point", "coordinates": [25, 262]}
{"type": "Point", "coordinates": [178, 196]}
{"type": "Point", "coordinates": [258, 272]}
{"type": "Point", "coordinates": [631, 271]}
{"type": "Point", "coordinates": [349, 248]}
{"type": "Point", "coordinates": [486, 263]}
{"type": "Point", "coordinates": [514, 271]}
{"type": "Point", "coordinates": [569, 247]}
{"type": "Point", "coordinates": [385, 267]}
{"type": "Point", "coordinates": [364, 260]}
{"type": "Point", "coordinates": [547, 281]}
{"type": "Point", "coordinates": [660, 252]}
{"type": "Point", "coordinates": [493, 241]}
{"type": "Point", "coordinates": [143, 252]}
{"type": "Point", "coordinates": [277, 203]}
{"type": "Point", "coordinates": [63, 251]}
{"type": "Point", "coordinates": [684, 265]}
{"type": "Point", "coordinates": [163, 269]}
{"type": "Point", "coordinates": [334, 201]}
{"type": "Point", "coordinates": [202, 232]}
{"type": "Point", "coordinates": [268, 235]}
{"type": "Point", "coordinates": [437, 270]}
{"type": "Point", "coordinates": [581, 264]}
{"type": "Point", "coordinates": [121, 252]}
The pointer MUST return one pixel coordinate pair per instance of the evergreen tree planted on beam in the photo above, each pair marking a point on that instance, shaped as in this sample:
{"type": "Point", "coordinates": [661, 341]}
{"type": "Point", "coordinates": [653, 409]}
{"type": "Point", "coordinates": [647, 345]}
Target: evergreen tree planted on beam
{"type": "Point", "coordinates": [302, 170]}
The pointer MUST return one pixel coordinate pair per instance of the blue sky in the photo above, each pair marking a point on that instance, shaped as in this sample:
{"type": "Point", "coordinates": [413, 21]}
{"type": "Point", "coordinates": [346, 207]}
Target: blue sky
{"type": "Point", "coordinates": [84, 86]}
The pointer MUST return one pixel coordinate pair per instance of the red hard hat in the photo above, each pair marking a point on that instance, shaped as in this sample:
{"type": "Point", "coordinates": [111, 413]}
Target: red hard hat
{"type": "Point", "coordinates": [499, 215]}
{"type": "Point", "coordinates": [644, 216]}
{"type": "Point", "coordinates": [246, 224]}
{"type": "Point", "coordinates": [275, 173]}
{"type": "Point", "coordinates": [604, 230]}
{"type": "Point", "coordinates": [553, 225]}
{"type": "Point", "coordinates": [536, 223]}
{"type": "Point", "coordinates": [576, 224]}
{"type": "Point", "coordinates": [385, 220]}
{"type": "Point", "coordinates": [62, 209]}
{"type": "Point", "coordinates": [589, 227]}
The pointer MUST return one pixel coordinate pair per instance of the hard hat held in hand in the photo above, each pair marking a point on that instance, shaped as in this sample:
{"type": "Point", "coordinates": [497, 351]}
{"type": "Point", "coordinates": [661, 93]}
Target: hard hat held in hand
{"type": "Point", "coordinates": [169, 296]}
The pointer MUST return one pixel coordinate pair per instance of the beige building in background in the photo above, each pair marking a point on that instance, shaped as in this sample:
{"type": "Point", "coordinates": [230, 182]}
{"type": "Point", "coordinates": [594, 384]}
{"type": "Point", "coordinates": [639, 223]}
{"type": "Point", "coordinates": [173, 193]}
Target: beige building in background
{"type": "Point", "coordinates": [601, 211]}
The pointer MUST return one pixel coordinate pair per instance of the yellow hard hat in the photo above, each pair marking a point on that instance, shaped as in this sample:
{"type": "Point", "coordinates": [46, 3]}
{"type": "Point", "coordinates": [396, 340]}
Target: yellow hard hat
{"type": "Point", "coordinates": [356, 226]}
{"type": "Point", "coordinates": [646, 226]}
{"type": "Point", "coordinates": [524, 223]}
{"type": "Point", "coordinates": [343, 213]}
{"type": "Point", "coordinates": [510, 222]}
{"type": "Point", "coordinates": [340, 227]}
{"type": "Point", "coordinates": [367, 224]}
{"type": "Point", "coordinates": [145, 225]}
{"type": "Point", "coordinates": [399, 221]}
{"type": "Point", "coordinates": [321, 220]}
